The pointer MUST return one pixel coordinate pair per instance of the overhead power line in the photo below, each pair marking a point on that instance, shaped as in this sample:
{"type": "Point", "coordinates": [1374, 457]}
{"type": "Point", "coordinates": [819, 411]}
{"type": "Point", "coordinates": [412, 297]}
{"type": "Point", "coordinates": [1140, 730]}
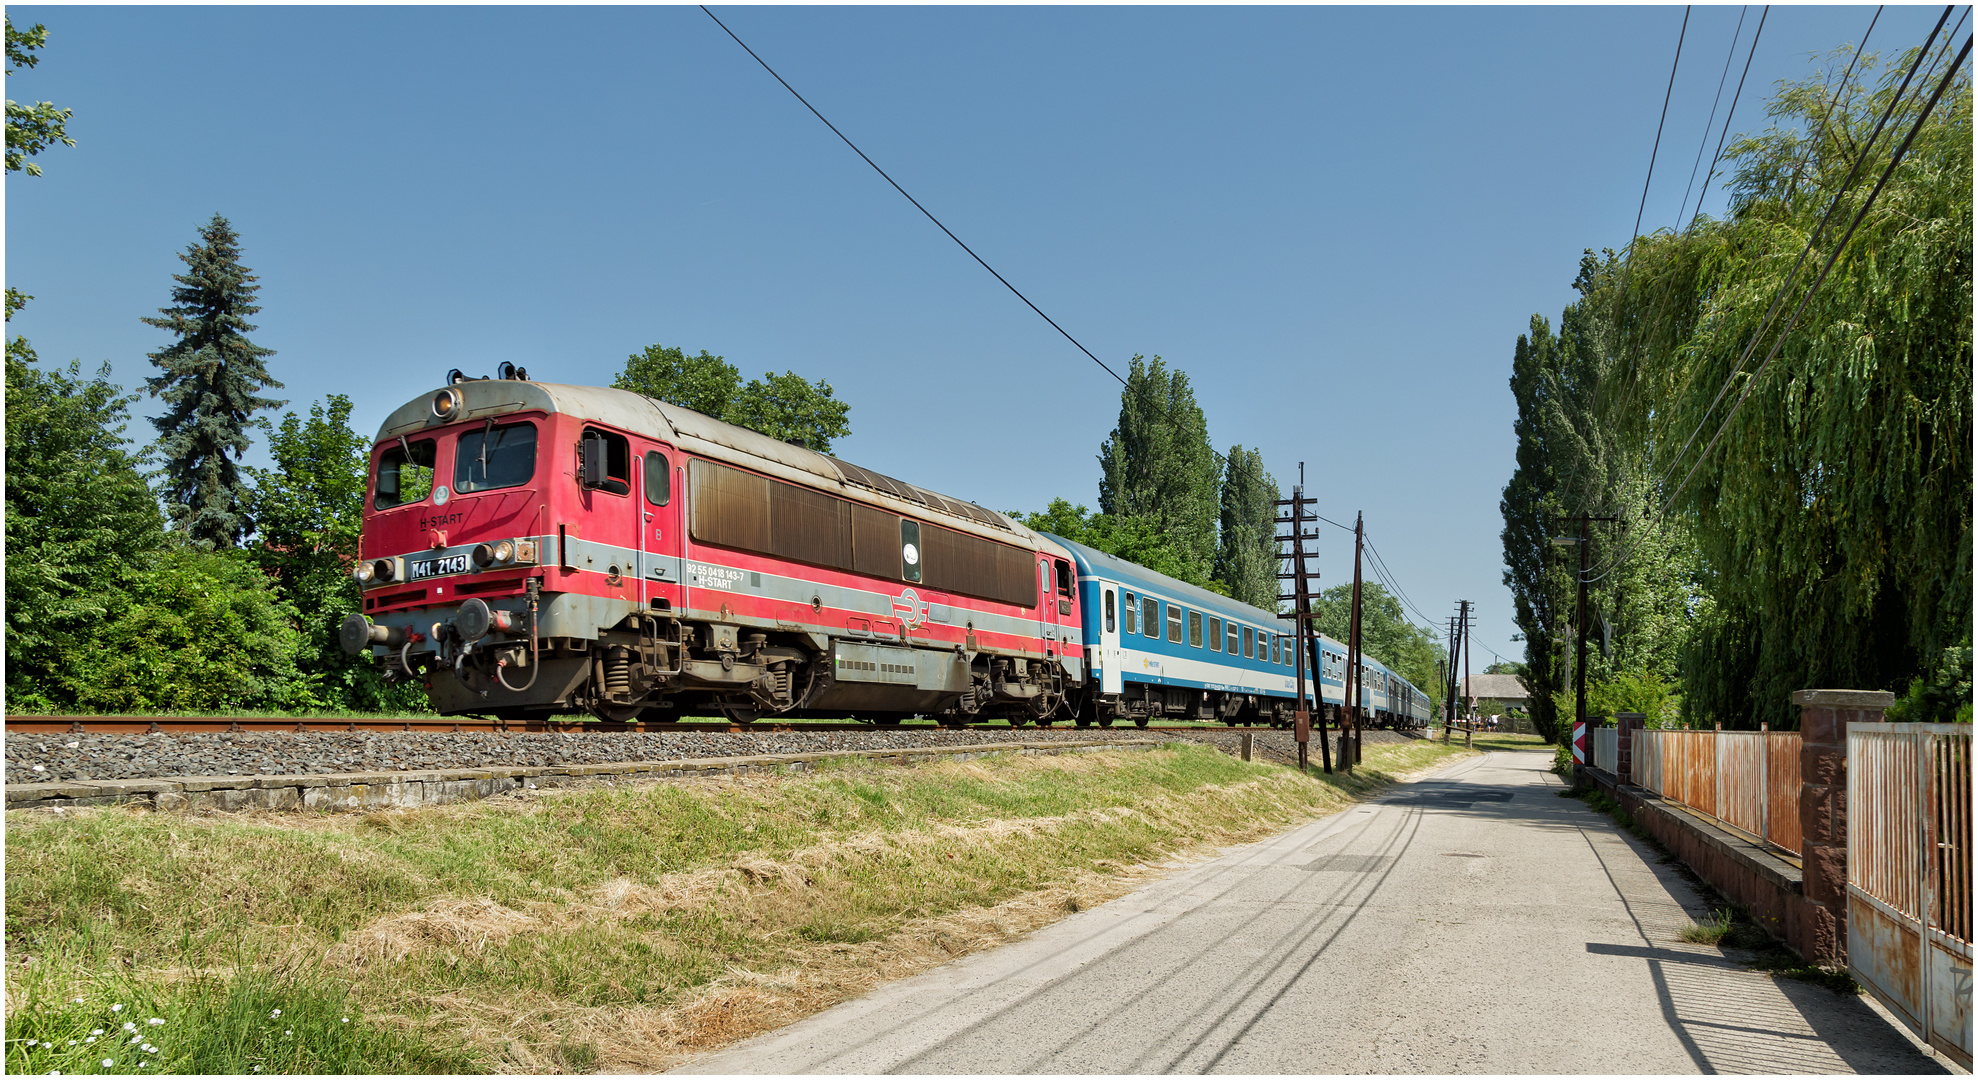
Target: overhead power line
{"type": "Point", "coordinates": [910, 198]}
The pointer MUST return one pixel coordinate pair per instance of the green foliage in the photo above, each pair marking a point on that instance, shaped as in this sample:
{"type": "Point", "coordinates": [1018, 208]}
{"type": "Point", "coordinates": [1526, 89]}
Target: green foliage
{"type": "Point", "coordinates": [1158, 466]}
{"type": "Point", "coordinates": [30, 128]}
{"type": "Point", "coordinates": [80, 519]}
{"type": "Point", "coordinates": [1134, 539]}
{"type": "Point", "coordinates": [211, 375]}
{"type": "Point", "coordinates": [250, 1023]}
{"type": "Point", "coordinates": [1834, 517]}
{"type": "Point", "coordinates": [1943, 696]}
{"type": "Point", "coordinates": [1636, 691]}
{"type": "Point", "coordinates": [1385, 634]}
{"type": "Point", "coordinates": [783, 407]}
{"type": "Point", "coordinates": [1246, 553]}
{"type": "Point", "coordinates": [309, 509]}
{"type": "Point", "coordinates": [197, 630]}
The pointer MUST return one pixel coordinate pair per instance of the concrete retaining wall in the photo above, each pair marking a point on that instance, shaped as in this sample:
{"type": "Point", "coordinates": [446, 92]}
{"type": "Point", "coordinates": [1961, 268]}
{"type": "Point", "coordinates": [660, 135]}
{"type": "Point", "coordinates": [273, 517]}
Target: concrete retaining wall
{"type": "Point", "coordinates": [380, 790]}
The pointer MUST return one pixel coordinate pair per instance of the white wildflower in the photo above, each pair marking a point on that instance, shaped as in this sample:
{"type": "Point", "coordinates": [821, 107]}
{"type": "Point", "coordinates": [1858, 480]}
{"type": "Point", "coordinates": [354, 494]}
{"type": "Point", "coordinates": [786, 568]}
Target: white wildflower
{"type": "Point", "coordinates": [274, 1014]}
{"type": "Point", "coordinates": [98, 1031]}
{"type": "Point", "coordinates": [107, 1062]}
{"type": "Point", "coordinates": [129, 1026]}
{"type": "Point", "coordinates": [154, 1021]}
{"type": "Point", "coordinates": [290, 1031]}
{"type": "Point", "coordinates": [91, 1039]}
{"type": "Point", "coordinates": [78, 1001]}
{"type": "Point", "coordinates": [346, 1019]}
{"type": "Point", "coordinates": [31, 1042]}
{"type": "Point", "coordinates": [117, 1007]}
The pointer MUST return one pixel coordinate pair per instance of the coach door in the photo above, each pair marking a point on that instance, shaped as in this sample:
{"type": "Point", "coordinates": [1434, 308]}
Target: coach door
{"type": "Point", "coordinates": [1108, 652]}
{"type": "Point", "coordinates": [1047, 607]}
{"type": "Point", "coordinates": [660, 476]}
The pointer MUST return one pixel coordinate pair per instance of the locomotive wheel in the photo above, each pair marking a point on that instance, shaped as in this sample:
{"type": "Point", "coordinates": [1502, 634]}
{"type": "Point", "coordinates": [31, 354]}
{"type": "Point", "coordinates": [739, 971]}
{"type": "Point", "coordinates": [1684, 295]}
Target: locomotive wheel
{"type": "Point", "coordinates": [1083, 721]}
{"type": "Point", "coordinates": [740, 715]}
{"type": "Point", "coordinates": [1140, 721]}
{"type": "Point", "coordinates": [1105, 721]}
{"type": "Point", "coordinates": [617, 714]}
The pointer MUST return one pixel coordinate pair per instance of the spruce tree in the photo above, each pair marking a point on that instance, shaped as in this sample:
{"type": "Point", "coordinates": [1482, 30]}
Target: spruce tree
{"type": "Point", "coordinates": [211, 375]}
{"type": "Point", "coordinates": [1246, 558]}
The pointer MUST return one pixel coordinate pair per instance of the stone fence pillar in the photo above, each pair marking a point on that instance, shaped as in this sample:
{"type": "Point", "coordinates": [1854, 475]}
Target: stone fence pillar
{"type": "Point", "coordinates": [1824, 716]}
{"type": "Point", "coordinates": [1627, 724]}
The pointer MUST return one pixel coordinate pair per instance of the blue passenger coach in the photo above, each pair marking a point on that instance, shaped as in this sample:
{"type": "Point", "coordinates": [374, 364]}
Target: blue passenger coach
{"type": "Point", "coordinates": [1156, 646]}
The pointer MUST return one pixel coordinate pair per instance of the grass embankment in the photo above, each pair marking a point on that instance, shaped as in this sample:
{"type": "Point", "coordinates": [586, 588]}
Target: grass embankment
{"type": "Point", "coordinates": [606, 928]}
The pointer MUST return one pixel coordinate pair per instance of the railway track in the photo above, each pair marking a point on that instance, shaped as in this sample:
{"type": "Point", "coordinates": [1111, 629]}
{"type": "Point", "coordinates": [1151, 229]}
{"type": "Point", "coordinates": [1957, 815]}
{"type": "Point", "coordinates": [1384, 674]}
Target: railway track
{"type": "Point", "coordinates": [182, 725]}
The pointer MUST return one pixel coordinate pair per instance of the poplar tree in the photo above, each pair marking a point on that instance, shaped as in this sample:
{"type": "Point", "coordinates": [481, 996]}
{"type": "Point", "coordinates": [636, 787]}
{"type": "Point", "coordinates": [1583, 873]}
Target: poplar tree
{"type": "Point", "coordinates": [1157, 465]}
{"type": "Point", "coordinates": [1246, 555]}
{"type": "Point", "coordinates": [211, 376]}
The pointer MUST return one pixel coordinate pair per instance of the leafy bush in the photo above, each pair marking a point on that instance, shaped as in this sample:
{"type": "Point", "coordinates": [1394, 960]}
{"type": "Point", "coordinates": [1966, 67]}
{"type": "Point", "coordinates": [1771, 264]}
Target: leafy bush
{"type": "Point", "coordinates": [197, 630]}
{"type": "Point", "coordinates": [1941, 697]}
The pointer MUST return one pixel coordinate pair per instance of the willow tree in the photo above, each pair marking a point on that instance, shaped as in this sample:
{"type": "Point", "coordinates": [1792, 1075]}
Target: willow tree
{"type": "Point", "coordinates": [1829, 487]}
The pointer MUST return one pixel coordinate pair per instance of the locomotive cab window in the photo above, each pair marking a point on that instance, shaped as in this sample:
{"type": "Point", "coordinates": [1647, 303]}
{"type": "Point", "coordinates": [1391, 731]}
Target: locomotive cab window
{"type": "Point", "coordinates": [1110, 624]}
{"type": "Point", "coordinates": [607, 462]}
{"type": "Point", "coordinates": [659, 479]}
{"type": "Point", "coordinates": [405, 473]}
{"type": "Point", "coordinates": [1130, 608]}
{"type": "Point", "coordinates": [1215, 634]}
{"type": "Point", "coordinates": [494, 456]}
{"type": "Point", "coordinates": [1150, 617]}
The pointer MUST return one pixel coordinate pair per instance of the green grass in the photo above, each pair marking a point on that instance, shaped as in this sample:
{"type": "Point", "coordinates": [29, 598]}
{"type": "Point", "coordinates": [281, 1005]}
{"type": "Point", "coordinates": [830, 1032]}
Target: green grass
{"type": "Point", "coordinates": [578, 927]}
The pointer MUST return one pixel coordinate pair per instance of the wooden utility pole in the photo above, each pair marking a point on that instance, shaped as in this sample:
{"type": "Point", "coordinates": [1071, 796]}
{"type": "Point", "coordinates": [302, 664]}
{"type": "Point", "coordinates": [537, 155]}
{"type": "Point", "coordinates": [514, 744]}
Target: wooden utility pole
{"type": "Point", "coordinates": [1306, 636]}
{"type": "Point", "coordinates": [1580, 617]}
{"type": "Point", "coordinates": [1449, 684]}
{"type": "Point", "coordinates": [1469, 729]}
{"type": "Point", "coordinates": [1350, 731]}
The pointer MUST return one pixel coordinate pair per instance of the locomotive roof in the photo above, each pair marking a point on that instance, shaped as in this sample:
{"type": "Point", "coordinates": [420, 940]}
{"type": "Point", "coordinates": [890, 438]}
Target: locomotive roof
{"type": "Point", "coordinates": [700, 433]}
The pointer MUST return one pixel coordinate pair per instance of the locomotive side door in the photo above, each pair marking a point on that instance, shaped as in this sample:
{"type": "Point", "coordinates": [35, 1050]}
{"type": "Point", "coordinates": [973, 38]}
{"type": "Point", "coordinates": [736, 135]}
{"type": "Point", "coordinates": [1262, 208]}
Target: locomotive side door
{"type": "Point", "coordinates": [661, 474]}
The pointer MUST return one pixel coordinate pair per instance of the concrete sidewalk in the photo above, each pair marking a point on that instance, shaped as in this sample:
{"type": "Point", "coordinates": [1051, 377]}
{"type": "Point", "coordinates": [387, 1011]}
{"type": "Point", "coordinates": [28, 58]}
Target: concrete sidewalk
{"type": "Point", "coordinates": [1471, 922]}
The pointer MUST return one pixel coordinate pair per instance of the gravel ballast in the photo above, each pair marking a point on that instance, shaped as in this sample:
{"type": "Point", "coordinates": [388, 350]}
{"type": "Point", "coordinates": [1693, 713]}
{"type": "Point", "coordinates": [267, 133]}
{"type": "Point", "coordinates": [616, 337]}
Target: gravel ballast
{"type": "Point", "coordinates": [158, 756]}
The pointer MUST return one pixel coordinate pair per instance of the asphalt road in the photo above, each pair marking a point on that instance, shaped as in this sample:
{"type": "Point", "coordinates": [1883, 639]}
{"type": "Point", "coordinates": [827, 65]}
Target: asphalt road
{"type": "Point", "coordinates": [1471, 922]}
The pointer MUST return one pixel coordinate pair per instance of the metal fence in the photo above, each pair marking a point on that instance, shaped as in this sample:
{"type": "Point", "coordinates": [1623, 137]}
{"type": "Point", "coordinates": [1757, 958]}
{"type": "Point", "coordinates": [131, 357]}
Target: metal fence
{"type": "Point", "coordinates": [1746, 779]}
{"type": "Point", "coordinates": [1909, 874]}
{"type": "Point", "coordinates": [1606, 748]}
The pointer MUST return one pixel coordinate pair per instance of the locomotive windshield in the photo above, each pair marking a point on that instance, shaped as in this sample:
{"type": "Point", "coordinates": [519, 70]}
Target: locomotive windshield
{"type": "Point", "coordinates": [494, 456]}
{"type": "Point", "coordinates": [404, 479]}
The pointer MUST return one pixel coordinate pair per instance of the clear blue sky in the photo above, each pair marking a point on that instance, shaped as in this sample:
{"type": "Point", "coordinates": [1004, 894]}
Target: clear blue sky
{"type": "Point", "coordinates": [1336, 220]}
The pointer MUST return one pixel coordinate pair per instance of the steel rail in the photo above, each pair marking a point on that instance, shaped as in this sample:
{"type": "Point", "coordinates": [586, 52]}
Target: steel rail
{"type": "Point", "coordinates": [186, 725]}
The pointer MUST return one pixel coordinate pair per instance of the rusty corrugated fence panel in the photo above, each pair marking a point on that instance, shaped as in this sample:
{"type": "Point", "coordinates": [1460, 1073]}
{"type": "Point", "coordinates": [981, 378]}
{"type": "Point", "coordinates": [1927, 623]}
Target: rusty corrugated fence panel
{"type": "Point", "coordinates": [1740, 779]}
{"type": "Point", "coordinates": [1950, 760]}
{"type": "Point", "coordinates": [1882, 820]}
{"type": "Point", "coordinates": [1782, 781]}
{"type": "Point", "coordinates": [1909, 875]}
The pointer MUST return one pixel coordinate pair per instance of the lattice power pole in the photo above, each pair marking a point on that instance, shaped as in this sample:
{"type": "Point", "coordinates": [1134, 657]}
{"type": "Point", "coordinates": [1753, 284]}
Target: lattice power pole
{"type": "Point", "coordinates": [1301, 595]}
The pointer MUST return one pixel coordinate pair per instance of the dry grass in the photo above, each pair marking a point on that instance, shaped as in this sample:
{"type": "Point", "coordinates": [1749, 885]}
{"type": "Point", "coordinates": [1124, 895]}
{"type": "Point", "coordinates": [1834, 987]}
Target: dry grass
{"type": "Point", "coordinates": [623, 929]}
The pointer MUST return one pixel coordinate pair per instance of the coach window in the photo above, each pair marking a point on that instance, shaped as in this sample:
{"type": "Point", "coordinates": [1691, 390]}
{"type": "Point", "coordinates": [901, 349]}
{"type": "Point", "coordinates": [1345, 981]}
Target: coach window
{"type": "Point", "coordinates": [1277, 649]}
{"type": "Point", "coordinates": [1215, 634]}
{"type": "Point", "coordinates": [1063, 571]}
{"type": "Point", "coordinates": [405, 473]}
{"type": "Point", "coordinates": [494, 456]}
{"type": "Point", "coordinates": [607, 461]}
{"type": "Point", "coordinates": [1109, 611]}
{"type": "Point", "coordinates": [1130, 606]}
{"type": "Point", "coordinates": [659, 479]}
{"type": "Point", "coordinates": [1195, 629]}
{"type": "Point", "coordinates": [1234, 641]}
{"type": "Point", "coordinates": [1150, 616]}
{"type": "Point", "coordinates": [1174, 623]}
{"type": "Point", "coordinates": [1249, 643]}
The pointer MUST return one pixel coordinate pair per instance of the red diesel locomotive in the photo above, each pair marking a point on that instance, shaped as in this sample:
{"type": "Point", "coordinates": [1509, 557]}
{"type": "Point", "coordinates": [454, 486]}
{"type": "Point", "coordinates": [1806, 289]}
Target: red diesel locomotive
{"type": "Point", "coordinates": [531, 548]}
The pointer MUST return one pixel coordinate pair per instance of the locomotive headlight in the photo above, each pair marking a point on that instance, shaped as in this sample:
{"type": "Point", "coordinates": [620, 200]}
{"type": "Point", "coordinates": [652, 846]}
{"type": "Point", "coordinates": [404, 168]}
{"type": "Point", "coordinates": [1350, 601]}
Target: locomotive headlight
{"type": "Point", "coordinates": [446, 404]}
{"type": "Point", "coordinates": [383, 570]}
{"type": "Point", "coordinates": [484, 554]}
{"type": "Point", "coordinates": [363, 573]}
{"type": "Point", "coordinates": [504, 551]}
